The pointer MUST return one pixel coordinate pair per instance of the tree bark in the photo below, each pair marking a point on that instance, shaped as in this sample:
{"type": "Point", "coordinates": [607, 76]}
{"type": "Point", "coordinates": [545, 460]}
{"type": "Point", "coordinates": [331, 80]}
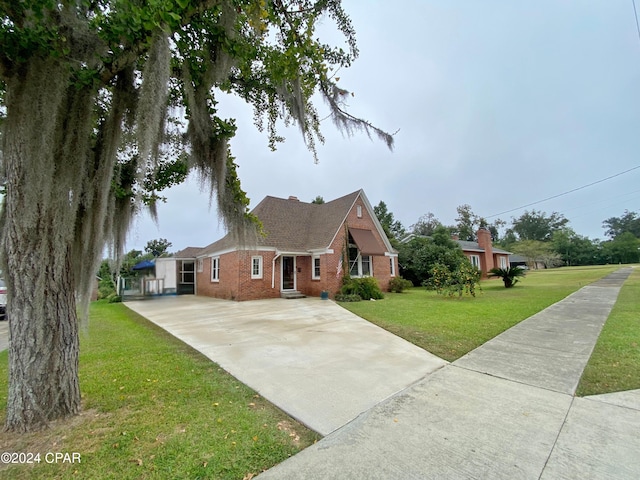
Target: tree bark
{"type": "Point", "coordinates": [43, 352]}
{"type": "Point", "coordinates": [38, 219]}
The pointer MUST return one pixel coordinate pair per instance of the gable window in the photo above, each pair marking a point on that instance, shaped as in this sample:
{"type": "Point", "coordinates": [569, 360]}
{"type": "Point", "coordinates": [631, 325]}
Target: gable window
{"type": "Point", "coordinates": [215, 269]}
{"type": "Point", "coordinates": [256, 266]}
{"type": "Point", "coordinates": [475, 261]}
{"type": "Point", "coordinates": [316, 268]}
{"type": "Point", "coordinates": [359, 211]}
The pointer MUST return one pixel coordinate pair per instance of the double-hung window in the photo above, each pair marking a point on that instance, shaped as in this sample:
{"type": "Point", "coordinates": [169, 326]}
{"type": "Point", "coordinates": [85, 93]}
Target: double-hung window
{"type": "Point", "coordinates": [475, 261]}
{"type": "Point", "coordinates": [316, 268]}
{"type": "Point", "coordinates": [215, 269]}
{"type": "Point", "coordinates": [256, 267]}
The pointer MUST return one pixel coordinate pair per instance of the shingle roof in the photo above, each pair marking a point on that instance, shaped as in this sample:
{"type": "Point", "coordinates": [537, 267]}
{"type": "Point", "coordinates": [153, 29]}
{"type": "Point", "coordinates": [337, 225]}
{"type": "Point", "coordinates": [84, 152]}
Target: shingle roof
{"type": "Point", "coordinates": [294, 226]}
{"type": "Point", "coordinates": [189, 252]}
{"type": "Point", "coordinates": [475, 247]}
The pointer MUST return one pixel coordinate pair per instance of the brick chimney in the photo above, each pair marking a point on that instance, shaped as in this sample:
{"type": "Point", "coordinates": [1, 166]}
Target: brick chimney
{"type": "Point", "coordinates": [484, 241]}
{"type": "Point", "coordinates": [455, 236]}
{"type": "Point", "coordinates": [294, 198]}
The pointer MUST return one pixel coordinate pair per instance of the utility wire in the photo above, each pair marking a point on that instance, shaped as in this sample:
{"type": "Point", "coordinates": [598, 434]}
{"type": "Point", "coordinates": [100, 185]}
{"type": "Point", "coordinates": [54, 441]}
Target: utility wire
{"type": "Point", "coordinates": [565, 193]}
{"type": "Point", "coordinates": [635, 14]}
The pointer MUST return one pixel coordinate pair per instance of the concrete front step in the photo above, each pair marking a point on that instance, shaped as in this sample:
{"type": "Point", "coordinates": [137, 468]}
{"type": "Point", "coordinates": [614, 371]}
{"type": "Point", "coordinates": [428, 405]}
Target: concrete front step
{"type": "Point", "coordinates": [292, 295]}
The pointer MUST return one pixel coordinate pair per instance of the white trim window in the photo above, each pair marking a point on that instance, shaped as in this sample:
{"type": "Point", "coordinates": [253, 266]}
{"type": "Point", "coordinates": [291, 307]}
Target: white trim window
{"type": "Point", "coordinates": [359, 265]}
{"type": "Point", "coordinates": [315, 274]}
{"type": "Point", "coordinates": [256, 267]}
{"type": "Point", "coordinates": [475, 261]}
{"type": "Point", "coordinates": [359, 211]}
{"type": "Point", "coordinates": [215, 269]}
{"type": "Point", "coordinates": [503, 262]}
{"type": "Point", "coordinates": [393, 267]}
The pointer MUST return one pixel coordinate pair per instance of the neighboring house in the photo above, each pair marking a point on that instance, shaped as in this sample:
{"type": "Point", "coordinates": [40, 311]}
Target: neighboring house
{"type": "Point", "coordinates": [521, 261]}
{"type": "Point", "coordinates": [482, 254]}
{"type": "Point", "coordinates": [307, 248]}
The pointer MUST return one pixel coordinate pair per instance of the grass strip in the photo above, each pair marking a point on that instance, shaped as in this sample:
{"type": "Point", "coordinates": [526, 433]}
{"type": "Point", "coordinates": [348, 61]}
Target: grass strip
{"type": "Point", "coordinates": [452, 327]}
{"type": "Point", "coordinates": [154, 408]}
{"type": "Point", "coordinates": [615, 362]}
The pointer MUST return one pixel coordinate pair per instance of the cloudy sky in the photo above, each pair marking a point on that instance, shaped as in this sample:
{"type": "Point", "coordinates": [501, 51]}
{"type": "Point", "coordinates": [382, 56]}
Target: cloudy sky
{"type": "Point", "coordinates": [498, 104]}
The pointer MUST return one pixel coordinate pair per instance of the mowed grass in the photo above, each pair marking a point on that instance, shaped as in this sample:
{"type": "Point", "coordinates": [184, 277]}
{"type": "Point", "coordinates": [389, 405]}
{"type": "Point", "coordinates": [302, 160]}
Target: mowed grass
{"type": "Point", "coordinates": [153, 408]}
{"type": "Point", "coordinates": [615, 362]}
{"type": "Point", "coordinates": [451, 327]}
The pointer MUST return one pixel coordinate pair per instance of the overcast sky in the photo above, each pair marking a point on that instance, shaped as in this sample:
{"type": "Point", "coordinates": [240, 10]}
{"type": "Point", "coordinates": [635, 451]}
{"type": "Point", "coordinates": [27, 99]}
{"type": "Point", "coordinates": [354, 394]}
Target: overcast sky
{"type": "Point", "coordinates": [497, 104]}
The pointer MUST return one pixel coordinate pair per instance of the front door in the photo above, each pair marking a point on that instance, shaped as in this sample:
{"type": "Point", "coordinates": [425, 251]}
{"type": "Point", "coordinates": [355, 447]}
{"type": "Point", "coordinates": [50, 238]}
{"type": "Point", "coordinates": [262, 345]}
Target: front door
{"type": "Point", "coordinates": [187, 279]}
{"type": "Point", "coordinates": [288, 273]}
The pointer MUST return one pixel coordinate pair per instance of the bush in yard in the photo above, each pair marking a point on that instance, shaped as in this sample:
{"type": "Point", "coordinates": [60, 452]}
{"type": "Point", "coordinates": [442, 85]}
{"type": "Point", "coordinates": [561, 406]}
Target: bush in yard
{"type": "Point", "coordinates": [446, 281]}
{"type": "Point", "coordinates": [508, 275]}
{"type": "Point", "coordinates": [399, 284]}
{"type": "Point", "coordinates": [106, 288]}
{"type": "Point", "coordinates": [114, 298]}
{"type": "Point", "coordinates": [367, 288]}
{"type": "Point", "coordinates": [341, 297]}
{"type": "Point", "coordinates": [419, 255]}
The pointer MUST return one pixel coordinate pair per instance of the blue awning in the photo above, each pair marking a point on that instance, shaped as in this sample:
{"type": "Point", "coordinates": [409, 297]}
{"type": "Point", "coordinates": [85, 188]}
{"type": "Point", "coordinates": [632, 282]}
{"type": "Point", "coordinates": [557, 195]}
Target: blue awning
{"type": "Point", "coordinates": [144, 265]}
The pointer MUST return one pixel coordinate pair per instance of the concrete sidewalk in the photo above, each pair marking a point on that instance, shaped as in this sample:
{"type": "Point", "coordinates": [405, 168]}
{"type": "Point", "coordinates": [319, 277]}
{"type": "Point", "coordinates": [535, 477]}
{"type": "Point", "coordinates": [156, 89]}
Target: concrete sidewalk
{"type": "Point", "coordinates": [504, 411]}
{"type": "Point", "coordinates": [318, 362]}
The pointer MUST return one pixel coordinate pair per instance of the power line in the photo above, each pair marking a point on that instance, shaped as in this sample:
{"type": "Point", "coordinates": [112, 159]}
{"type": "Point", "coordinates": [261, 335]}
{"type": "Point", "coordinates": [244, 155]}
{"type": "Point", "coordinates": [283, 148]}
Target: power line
{"type": "Point", "coordinates": [565, 193]}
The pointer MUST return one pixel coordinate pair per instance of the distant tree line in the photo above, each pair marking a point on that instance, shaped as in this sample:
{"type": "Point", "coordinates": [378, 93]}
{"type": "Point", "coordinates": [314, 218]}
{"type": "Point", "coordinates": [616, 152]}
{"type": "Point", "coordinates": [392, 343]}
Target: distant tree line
{"type": "Point", "coordinates": [543, 239]}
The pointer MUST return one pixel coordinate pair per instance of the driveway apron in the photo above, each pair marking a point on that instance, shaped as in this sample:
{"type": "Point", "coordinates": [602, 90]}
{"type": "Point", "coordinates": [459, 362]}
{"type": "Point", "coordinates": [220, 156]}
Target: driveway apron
{"type": "Point", "coordinates": [315, 360]}
{"type": "Point", "coordinates": [504, 411]}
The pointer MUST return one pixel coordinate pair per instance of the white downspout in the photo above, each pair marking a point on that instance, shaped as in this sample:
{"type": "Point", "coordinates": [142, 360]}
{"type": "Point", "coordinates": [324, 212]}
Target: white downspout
{"type": "Point", "coordinates": [273, 270]}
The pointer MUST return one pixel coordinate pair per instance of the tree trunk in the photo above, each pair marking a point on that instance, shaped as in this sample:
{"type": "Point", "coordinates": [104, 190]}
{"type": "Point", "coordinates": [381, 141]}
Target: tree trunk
{"type": "Point", "coordinates": [43, 352]}
{"type": "Point", "coordinates": [38, 218]}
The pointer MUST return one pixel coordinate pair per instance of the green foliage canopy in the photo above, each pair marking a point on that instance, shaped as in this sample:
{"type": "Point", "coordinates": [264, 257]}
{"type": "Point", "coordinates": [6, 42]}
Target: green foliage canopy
{"type": "Point", "coordinates": [392, 228]}
{"type": "Point", "coordinates": [628, 222]}
{"type": "Point", "coordinates": [158, 247]}
{"type": "Point", "coordinates": [539, 226]}
{"type": "Point", "coordinates": [418, 256]}
{"type": "Point", "coordinates": [102, 104]}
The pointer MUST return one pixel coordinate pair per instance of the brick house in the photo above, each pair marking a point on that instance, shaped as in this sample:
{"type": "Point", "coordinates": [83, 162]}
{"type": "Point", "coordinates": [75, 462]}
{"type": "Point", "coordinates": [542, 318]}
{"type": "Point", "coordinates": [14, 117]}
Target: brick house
{"type": "Point", "coordinates": [482, 254]}
{"type": "Point", "coordinates": [306, 250]}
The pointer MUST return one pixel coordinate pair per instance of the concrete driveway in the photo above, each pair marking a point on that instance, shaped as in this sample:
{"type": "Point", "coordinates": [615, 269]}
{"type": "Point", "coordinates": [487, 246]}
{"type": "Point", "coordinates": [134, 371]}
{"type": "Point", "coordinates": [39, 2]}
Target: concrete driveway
{"type": "Point", "coordinates": [318, 362]}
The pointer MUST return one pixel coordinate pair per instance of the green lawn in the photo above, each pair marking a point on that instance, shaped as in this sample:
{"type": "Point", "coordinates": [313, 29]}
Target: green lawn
{"type": "Point", "coordinates": [451, 327]}
{"type": "Point", "coordinates": [155, 409]}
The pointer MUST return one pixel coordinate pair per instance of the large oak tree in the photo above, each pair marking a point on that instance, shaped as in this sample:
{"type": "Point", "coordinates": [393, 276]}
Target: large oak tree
{"type": "Point", "coordinates": [96, 96]}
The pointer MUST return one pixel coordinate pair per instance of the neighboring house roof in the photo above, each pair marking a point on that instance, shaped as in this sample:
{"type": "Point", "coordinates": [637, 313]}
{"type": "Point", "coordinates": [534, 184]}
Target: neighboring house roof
{"type": "Point", "coordinates": [475, 247]}
{"type": "Point", "coordinates": [294, 226]}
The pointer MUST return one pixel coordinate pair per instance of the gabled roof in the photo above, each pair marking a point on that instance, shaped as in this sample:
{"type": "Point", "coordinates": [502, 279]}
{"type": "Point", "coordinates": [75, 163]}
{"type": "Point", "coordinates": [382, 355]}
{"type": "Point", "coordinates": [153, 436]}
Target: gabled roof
{"type": "Point", "coordinates": [294, 226]}
{"type": "Point", "coordinates": [189, 252]}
